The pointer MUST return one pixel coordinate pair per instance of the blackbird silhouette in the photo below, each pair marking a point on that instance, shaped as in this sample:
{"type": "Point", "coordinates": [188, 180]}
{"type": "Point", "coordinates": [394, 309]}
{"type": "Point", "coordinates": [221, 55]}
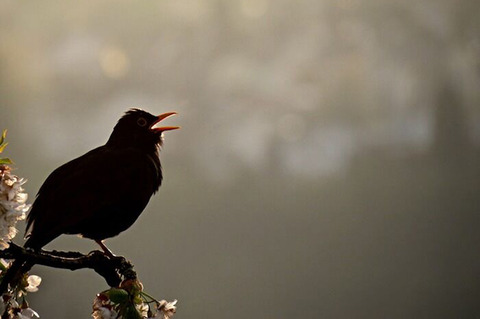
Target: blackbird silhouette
{"type": "Point", "coordinates": [101, 193]}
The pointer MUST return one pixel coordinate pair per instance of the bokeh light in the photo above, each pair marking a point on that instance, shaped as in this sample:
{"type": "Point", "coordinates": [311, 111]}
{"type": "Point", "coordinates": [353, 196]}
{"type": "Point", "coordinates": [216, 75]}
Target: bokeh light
{"type": "Point", "coordinates": [114, 62]}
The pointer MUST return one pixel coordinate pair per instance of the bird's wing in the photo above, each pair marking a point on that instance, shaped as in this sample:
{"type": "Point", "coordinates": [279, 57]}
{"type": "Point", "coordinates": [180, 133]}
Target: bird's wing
{"type": "Point", "coordinates": [81, 188]}
{"type": "Point", "coordinates": [56, 180]}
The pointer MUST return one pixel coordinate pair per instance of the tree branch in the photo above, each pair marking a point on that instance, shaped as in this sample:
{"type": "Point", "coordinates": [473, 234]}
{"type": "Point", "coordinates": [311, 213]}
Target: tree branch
{"type": "Point", "coordinates": [112, 269]}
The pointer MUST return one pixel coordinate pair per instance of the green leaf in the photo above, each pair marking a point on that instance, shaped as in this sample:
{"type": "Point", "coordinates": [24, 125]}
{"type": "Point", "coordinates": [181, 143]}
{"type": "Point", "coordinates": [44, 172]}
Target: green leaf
{"type": "Point", "coordinates": [5, 161]}
{"type": "Point", "coordinates": [2, 141]}
{"type": "Point", "coordinates": [132, 313]}
{"type": "Point", "coordinates": [137, 300]}
{"type": "Point", "coordinates": [4, 135]}
{"type": "Point", "coordinates": [117, 295]}
{"type": "Point", "coordinates": [2, 147]}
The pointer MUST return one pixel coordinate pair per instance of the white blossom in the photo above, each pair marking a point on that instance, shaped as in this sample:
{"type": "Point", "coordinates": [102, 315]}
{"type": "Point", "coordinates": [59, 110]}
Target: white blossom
{"type": "Point", "coordinates": [106, 308]}
{"type": "Point", "coordinates": [104, 313]}
{"type": "Point", "coordinates": [142, 309]}
{"type": "Point", "coordinates": [13, 205]}
{"type": "Point", "coordinates": [33, 283]}
{"type": "Point", "coordinates": [102, 308]}
{"type": "Point", "coordinates": [27, 313]}
{"type": "Point", "coordinates": [10, 309]}
{"type": "Point", "coordinates": [166, 309]}
{"type": "Point", "coordinates": [3, 306]}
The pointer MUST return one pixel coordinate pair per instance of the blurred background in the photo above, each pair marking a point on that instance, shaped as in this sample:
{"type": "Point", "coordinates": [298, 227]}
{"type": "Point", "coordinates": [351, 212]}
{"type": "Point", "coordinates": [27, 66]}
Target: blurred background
{"type": "Point", "coordinates": [327, 165]}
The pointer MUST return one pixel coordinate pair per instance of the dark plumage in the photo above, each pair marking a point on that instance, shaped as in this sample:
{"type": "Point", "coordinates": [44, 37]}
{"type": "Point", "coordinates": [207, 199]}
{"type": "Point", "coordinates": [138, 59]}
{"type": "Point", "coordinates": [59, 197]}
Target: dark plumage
{"type": "Point", "coordinates": [102, 193]}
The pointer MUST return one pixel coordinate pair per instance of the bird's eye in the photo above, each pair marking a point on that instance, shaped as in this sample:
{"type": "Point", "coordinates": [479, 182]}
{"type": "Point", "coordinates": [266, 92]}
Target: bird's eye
{"type": "Point", "coordinates": [142, 122]}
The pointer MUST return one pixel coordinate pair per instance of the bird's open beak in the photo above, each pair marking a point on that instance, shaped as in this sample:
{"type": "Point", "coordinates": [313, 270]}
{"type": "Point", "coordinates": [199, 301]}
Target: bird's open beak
{"type": "Point", "coordinates": [164, 128]}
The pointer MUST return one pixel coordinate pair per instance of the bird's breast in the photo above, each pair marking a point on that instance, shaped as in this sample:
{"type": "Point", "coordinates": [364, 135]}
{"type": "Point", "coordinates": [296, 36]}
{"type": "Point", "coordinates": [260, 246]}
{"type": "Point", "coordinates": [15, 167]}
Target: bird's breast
{"type": "Point", "coordinates": [130, 183]}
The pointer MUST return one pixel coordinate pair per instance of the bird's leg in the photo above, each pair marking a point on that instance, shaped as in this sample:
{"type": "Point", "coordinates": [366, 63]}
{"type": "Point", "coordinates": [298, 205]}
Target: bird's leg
{"type": "Point", "coordinates": [105, 249]}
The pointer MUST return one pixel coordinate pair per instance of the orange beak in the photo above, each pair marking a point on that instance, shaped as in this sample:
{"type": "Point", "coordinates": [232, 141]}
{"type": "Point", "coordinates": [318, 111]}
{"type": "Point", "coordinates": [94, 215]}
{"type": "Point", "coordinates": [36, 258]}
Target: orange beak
{"type": "Point", "coordinates": [164, 128]}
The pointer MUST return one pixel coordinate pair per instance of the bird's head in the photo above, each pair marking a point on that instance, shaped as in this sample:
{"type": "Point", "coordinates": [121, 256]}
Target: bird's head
{"type": "Point", "coordinates": [138, 128]}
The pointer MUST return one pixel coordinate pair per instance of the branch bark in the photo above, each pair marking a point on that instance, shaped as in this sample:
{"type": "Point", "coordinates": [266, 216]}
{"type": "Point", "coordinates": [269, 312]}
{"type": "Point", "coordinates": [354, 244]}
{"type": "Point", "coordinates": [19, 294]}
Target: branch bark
{"type": "Point", "coordinates": [112, 269]}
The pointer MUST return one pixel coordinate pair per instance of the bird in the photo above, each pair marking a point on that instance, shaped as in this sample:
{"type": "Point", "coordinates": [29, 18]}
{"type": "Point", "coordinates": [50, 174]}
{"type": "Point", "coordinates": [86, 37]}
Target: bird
{"type": "Point", "coordinates": [101, 193]}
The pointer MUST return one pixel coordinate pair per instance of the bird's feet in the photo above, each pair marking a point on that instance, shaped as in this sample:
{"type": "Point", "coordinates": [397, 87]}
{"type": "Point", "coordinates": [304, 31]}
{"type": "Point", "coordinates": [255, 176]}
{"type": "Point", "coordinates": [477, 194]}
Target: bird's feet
{"type": "Point", "coordinates": [105, 249]}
